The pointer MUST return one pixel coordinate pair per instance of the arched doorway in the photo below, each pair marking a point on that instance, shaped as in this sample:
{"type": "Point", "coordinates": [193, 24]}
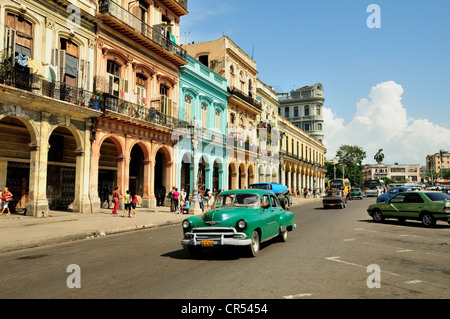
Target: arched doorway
{"type": "Point", "coordinates": [107, 170]}
{"type": "Point", "coordinates": [202, 167]}
{"type": "Point", "coordinates": [185, 173]}
{"type": "Point", "coordinates": [15, 161]}
{"type": "Point", "coordinates": [136, 171]}
{"type": "Point", "coordinates": [61, 169]}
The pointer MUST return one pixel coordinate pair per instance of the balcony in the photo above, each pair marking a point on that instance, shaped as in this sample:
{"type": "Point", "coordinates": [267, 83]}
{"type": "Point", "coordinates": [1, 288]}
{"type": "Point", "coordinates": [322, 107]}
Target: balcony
{"type": "Point", "coordinates": [153, 38]}
{"type": "Point", "coordinates": [179, 7]}
{"type": "Point", "coordinates": [151, 115]}
{"type": "Point", "coordinates": [21, 78]}
{"type": "Point", "coordinates": [235, 91]}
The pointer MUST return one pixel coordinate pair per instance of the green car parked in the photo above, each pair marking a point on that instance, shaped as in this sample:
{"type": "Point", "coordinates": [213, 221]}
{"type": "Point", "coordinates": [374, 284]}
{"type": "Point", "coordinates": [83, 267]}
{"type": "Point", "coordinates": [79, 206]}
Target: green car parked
{"type": "Point", "coordinates": [426, 206]}
{"type": "Point", "coordinates": [238, 218]}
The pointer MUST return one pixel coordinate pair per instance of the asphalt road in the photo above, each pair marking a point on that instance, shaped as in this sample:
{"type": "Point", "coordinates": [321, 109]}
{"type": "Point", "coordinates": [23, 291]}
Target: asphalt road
{"type": "Point", "coordinates": [326, 257]}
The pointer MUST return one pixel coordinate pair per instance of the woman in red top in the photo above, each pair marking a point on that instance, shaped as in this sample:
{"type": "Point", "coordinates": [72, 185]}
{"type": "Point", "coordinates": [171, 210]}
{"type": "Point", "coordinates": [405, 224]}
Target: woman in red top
{"type": "Point", "coordinates": [133, 206]}
{"type": "Point", "coordinates": [116, 196]}
{"type": "Point", "coordinates": [7, 197]}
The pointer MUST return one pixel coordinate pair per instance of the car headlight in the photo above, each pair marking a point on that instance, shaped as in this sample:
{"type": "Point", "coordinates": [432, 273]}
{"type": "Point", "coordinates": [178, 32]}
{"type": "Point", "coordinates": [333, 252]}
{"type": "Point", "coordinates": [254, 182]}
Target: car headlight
{"type": "Point", "coordinates": [241, 224]}
{"type": "Point", "coordinates": [186, 223]}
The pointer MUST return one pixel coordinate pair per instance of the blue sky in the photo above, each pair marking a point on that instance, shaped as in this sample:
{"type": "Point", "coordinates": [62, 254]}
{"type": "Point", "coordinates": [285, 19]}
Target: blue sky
{"type": "Point", "coordinates": [297, 43]}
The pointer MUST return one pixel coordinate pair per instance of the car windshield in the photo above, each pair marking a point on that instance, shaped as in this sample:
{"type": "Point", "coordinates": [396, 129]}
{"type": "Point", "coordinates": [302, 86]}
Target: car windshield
{"type": "Point", "coordinates": [333, 193]}
{"type": "Point", "coordinates": [236, 200]}
{"type": "Point", "coordinates": [436, 196]}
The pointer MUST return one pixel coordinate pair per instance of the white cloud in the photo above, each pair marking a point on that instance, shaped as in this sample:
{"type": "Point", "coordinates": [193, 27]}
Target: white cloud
{"type": "Point", "coordinates": [381, 121]}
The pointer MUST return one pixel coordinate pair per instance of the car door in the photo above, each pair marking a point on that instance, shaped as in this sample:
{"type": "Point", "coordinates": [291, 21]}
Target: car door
{"type": "Point", "coordinates": [412, 205]}
{"type": "Point", "coordinates": [268, 217]}
{"type": "Point", "coordinates": [394, 206]}
{"type": "Point", "coordinates": [277, 210]}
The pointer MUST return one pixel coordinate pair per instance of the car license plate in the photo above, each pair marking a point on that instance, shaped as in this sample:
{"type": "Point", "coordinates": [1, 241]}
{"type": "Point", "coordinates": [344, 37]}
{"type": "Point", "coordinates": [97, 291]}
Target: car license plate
{"type": "Point", "coordinates": [331, 204]}
{"type": "Point", "coordinates": [207, 243]}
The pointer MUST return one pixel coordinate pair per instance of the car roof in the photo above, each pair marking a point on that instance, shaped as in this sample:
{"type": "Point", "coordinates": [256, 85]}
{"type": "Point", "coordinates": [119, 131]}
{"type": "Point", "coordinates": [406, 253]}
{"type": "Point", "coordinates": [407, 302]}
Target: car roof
{"type": "Point", "coordinates": [246, 191]}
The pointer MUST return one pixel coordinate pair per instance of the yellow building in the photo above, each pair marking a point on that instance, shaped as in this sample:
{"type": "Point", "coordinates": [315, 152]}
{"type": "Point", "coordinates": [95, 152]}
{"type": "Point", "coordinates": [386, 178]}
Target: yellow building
{"type": "Point", "coordinates": [302, 159]}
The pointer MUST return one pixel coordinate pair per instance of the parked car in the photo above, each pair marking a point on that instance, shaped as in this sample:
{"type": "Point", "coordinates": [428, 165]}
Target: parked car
{"type": "Point", "coordinates": [238, 218]}
{"type": "Point", "coordinates": [334, 198]}
{"type": "Point", "coordinates": [426, 206]}
{"type": "Point", "coordinates": [394, 191]}
{"type": "Point", "coordinates": [356, 193]}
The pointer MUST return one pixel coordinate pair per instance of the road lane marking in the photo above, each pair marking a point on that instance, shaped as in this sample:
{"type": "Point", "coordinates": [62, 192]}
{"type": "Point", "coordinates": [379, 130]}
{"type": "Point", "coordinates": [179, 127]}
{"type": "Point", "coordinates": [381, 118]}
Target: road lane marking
{"type": "Point", "coordinates": [415, 281]}
{"type": "Point", "coordinates": [403, 250]}
{"type": "Point", "coordinates": [297, 296]}
{"type": "Point", "coordinates": [349, 239]}
{"type": "Point", "coordinates": [337, 259]}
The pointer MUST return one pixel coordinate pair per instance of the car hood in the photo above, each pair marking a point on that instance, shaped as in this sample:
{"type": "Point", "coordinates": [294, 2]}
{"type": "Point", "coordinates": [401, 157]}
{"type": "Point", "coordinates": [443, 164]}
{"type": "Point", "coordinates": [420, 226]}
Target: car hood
{"type": "Point", "coordinates": [227, 216]}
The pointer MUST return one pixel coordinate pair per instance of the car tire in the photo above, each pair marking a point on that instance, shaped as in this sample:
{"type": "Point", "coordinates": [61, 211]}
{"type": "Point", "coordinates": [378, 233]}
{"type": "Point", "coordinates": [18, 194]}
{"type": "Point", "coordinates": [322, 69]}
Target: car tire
{"type": "Point", "coordinates": [428, 220]}
{"type": "Point", "coordinates": [254, 247]}
{"type": "Point", "coordinates": [284, 236]}
{"type": "Point", "coordinates": [378, 216]}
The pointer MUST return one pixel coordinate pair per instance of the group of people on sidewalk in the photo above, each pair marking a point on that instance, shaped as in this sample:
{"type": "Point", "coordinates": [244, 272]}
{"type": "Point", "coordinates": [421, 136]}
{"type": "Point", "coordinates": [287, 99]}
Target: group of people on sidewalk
{"type": "Point", "coordinates": [180, 204]}
{"type": "Point", "coordinates": [130, 202]}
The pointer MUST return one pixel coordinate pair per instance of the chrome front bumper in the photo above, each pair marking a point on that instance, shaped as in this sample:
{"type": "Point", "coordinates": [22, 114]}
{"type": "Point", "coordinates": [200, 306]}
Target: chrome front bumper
{"type": "Point", "coordinates": [215, 236]}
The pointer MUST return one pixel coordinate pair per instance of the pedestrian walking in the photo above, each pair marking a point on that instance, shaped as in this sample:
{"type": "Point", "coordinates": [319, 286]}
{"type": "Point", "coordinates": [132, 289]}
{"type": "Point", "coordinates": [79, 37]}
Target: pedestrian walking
{"type": "Point", "coordinates": [207, 197]}
{"type": "Point", "coordinates": [170, 196]}
{"type": "Point", "coordinates": [127, 199]}
{"type": "Point", "coordinates": [200, 201]}
{"type": "Point", "coordinates": [133, 205]}
{"type": "Point", "coordinates": [183, 196]}
{"type": "Point", "coordinates": [176, 197]}
{"type": "Point", "coordinates": [6, 198]}
{"type": "Point", "coordinates": [116, 197]}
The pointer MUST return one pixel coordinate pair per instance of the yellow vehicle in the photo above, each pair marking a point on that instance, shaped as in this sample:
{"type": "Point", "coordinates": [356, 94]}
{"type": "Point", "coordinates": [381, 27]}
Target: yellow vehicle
{"type": "Point", "coordinates": [340, 183]}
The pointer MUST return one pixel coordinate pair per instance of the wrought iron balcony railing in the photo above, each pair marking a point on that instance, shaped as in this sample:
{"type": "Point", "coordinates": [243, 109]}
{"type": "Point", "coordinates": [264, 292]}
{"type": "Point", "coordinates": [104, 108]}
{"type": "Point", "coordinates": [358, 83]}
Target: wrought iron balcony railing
{"type": "Point", "coordinates": [235, 91]}
{"type": "Point", "coordinates": [21, 78]}
{"type": "Point", "coordinates": [156, 34]}
{"type": "Point", "coordinates": [141, 112]}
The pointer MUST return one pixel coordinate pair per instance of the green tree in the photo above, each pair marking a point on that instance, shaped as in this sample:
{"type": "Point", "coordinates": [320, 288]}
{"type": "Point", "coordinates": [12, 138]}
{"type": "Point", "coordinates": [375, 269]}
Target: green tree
{"type": "Point", "coordinates": [379, 156]}
{"type": "Point", "coordinates": [351, 157]}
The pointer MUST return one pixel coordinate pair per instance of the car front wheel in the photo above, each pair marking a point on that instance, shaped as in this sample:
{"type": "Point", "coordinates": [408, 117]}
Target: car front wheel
{"type": "Point", "coordinates": [254, 246]}
{"type": "Point", "coordinates": [284, 236]}
{"type": "Point", "coordinates": [378, 216]}
{"type": "Point", "coordinates": [428, 220]}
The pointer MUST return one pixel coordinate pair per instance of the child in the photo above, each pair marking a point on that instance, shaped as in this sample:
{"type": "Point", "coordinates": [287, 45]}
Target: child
{"type": "Point", "coordinates": [127, 203]}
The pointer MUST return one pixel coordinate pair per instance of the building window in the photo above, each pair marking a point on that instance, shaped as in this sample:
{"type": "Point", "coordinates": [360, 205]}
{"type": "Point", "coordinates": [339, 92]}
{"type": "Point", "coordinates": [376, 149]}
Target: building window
{"type": "Point", "coordinates": [306, 127]}
{"type": "Point", "coordinates": [141, 89]}
{"type": "Point", "coordinates": [203, 59]}
{"type": "Point", "coordinates": [306, 110]}
{"type": "Point", "coordinates": [218, 126]}
{"type": "Point", "coordinates": [295, 111]}
{"type": "Point", "coordinates": [113, 74]}
{"type": "Point", "coordinates": [286, 112]}
{"type": "Point", "coordinates": [204, 115]}
{"type": "Point", "coordinates": [19, 36]}
{"type": "Point", "coordinates": [188, 108]}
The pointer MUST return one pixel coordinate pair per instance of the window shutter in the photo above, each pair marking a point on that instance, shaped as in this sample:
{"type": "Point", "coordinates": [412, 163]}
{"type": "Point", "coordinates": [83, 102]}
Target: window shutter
{"type": "Point", "coordinates": [10, 42]}
{"type": "Point", "coordinates": [62, 65]}
{"type": "Point", "coordinates": [169, 107]}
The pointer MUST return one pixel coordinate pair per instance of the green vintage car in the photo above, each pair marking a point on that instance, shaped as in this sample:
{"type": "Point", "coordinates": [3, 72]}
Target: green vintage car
{"type": "Point", "coordinates": [238, 218]}
{"type": "Point", "coordinates": [356, 193]}
{"type": "Point", "coordinates": [426, 206]}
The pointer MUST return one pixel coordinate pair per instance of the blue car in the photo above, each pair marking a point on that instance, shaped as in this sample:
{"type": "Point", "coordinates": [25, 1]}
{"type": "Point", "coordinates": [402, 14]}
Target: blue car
{"type": "Point", "coordinates": [394, 191]}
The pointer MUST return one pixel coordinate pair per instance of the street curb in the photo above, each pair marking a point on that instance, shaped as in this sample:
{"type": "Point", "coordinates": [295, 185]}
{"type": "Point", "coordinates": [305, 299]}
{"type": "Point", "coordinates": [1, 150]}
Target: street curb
{"type": "Point", "coordinates": [94, 234]}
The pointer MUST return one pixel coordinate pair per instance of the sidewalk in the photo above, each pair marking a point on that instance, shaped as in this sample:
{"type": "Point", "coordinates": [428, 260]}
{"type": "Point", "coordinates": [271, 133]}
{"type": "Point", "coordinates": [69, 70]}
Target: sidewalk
{"type": "Point", "coordinates": [19, 232]}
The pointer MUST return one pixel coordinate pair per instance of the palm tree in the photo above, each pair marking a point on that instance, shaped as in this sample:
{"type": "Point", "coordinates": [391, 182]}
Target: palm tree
{"type": "Point", "coordinates": [379, 156]}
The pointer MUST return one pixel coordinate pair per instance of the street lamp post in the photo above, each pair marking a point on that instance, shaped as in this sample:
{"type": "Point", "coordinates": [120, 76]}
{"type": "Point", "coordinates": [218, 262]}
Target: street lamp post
{"type": "Point", "coordinates": [195, 206]}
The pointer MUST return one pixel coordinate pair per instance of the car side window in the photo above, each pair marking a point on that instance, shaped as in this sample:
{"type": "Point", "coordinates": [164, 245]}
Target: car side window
{"type": "Point", "coordinates": [274, 202]}
{"type": "Point", "coordinates": [398, 199]}
{"type": "Point", "coordinates": [264, 200]}
{"type": "Point", "coordinates": [393, 191]}
{"type": "Point", "coordinates": [413, 198]}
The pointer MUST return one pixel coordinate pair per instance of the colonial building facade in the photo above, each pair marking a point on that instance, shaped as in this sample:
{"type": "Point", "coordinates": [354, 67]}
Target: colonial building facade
{"type": "Point", "coordinates": [302, 159]}
{"type": "Point", "coordinates": [203, 104]}
{"type": "Point", "coordinates": [136, 84]}
{"type": "Point", "coordinates": [46, 116]}
{"type": "Point", "coordinates": [303, 107]}
{"type": "Point", "coordinates": [228, 60]}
